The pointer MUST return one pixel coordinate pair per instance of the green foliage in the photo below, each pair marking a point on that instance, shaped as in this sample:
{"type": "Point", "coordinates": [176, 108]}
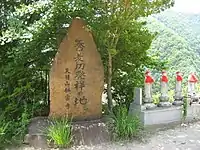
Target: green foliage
{"type": "Point", "coordinates": [32, 30]}
{"type": "Point", "coordinates": [123, 42]}
{"type": "Point", "coordinates": [60, 132]}
{"type": "Point", "coordinates": [185, 107]}
{"type": "Point", "coordinates": [155, 97]}
{"type": "Point", "coordinates": [177, 42]}
{"type": "Point", "coordinates": [125, 126]}
{"type": "Point", "coordinates": [13, 131]}
{"type": "Point", "coordinates": [4, 128]}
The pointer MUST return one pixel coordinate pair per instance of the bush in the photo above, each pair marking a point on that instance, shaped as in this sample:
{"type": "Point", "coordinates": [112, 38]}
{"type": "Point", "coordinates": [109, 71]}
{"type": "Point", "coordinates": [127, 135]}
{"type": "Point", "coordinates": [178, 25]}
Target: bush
{"type": "Point", "coordinates": [4, 125]}
{"type": "Point", "coordinates": [125, 126]}
{"type": "Point", "coordinates": [60, 132]}
{"type": "Point", "coordinates": [13, 131]}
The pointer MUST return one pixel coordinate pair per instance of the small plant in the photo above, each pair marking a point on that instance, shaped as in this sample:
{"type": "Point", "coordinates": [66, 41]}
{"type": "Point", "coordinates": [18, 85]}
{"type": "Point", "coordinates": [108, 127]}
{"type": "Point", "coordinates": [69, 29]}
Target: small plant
{"type": "Point", "coordinates": [185, 106]}
{"type": "Point", "coordinates": [156, 98]}
{"type": "Point", "coordinates": [13, 131]}
{"type": "Point", "coordinates": [125, 126]}
{"type": "Point", "coordinates": [60, 132]}
{"type": "Point", "coordinates": [3, 130]}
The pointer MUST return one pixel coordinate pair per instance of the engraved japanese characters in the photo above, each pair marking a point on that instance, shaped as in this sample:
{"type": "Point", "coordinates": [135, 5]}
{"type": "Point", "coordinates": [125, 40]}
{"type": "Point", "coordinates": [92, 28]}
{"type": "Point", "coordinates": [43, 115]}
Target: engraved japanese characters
{"type": "Point", "coordinates": [77, 76]}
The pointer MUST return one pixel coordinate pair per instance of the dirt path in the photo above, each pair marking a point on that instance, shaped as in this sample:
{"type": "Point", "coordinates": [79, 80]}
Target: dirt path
{"type": "Point", "coordinates": [179, 138]}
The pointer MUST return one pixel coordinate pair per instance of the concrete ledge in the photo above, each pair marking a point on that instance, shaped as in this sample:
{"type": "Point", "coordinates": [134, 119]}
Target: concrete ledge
{"type": "Point", "coordinates": [165, 115]}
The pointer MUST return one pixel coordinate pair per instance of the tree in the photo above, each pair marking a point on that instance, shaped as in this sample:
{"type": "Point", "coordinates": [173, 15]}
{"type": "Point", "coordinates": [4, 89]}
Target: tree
{"type": "Point", "coordinates": [176, 41]}
{"type": "Point", "coordinates": [32, 30]}
{"type": "Point", "coordinates": [116, 18]}
{"type": "Point", "coordinates": [40, 29]}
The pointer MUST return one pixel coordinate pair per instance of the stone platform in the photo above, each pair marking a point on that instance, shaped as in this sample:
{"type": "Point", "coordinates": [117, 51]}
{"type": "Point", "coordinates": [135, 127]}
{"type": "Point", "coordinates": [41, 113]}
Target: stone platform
{"type": "Point", "coordinates": [85, 132]}
{"type": "Point", "coordinates": [161, 116]}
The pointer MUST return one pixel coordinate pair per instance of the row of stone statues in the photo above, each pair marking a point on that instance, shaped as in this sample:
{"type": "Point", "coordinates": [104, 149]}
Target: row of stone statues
{"type": "Point", "coordinates": [164, 98]}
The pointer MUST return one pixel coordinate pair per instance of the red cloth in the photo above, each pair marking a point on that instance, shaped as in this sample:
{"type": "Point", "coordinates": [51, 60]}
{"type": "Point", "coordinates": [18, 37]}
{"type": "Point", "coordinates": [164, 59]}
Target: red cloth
{"type": "Point", "coordinates": [179, 78]}
{"type": "Point", "coordinates": [149, 79]}
{"type": "Point", "coordinates": [164, 78]}
{"type": "Point", "coordinates": [193, 78]}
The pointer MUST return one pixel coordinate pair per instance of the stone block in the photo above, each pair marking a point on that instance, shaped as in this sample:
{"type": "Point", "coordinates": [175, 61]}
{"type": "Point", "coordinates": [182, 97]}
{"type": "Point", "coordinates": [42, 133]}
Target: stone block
{"type": "Point", "coordinates": [89, 133]}
{"type": "Point", "coordinates": [158, 115]}
{"type": "Point", "coordinates": [165, 115]}
{"type": "Point", "coordinates": [77, 76]}
{"type": "Point", "coordinates": [138, 96]}
{"type": "Point", "coordinates": [193, 112]}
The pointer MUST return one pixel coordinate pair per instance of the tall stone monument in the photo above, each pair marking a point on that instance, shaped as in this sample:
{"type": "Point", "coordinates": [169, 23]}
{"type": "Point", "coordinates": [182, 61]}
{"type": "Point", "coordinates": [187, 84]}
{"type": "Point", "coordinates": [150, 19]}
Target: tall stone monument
{"type": "Point", "coordinates": [77, 76]}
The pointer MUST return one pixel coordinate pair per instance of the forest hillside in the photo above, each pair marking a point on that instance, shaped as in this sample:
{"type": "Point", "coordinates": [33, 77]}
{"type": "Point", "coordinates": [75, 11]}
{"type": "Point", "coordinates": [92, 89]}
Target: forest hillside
{"type": "Point", "coordinates": [177, 41]}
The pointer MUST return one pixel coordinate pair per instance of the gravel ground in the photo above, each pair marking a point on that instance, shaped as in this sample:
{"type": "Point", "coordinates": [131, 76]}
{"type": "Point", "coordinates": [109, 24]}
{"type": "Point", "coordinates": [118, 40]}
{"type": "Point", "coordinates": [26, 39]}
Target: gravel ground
{"type": "Point", "coordinates": [179, 138]}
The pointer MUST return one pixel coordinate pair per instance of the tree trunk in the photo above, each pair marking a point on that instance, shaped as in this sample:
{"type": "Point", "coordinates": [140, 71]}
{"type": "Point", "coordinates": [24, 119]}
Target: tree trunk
{"type": "Point", "coordinates": [109, 83]}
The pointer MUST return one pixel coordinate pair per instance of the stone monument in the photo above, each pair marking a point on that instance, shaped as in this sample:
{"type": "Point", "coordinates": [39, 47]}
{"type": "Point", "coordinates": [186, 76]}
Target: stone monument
{"type": "Point", "coordinates": [148, 101]}
{"type": "Point", "coordinates": [164, 98]}
{"type": "Point", "coordinates": [77, 76]}
{"type": "Point", "coordinates": [178, 89]}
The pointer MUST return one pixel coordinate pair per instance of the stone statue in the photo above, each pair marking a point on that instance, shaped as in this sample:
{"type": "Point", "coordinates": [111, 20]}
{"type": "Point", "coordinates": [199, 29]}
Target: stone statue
{"type": "Point", "coordinates": [164, 98]}
{"type": "Point", "coordinates": [178, 89]}
{"type": "Point", "coordinates": [148, 101]}
{"type": "Point", "coordinates": [192, 80]}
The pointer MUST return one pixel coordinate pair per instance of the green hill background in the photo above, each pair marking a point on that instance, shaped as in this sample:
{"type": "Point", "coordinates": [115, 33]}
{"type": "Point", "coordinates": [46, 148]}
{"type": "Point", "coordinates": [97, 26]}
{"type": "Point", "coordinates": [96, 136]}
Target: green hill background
{"type": "Point", "coordinates": [177, 42]}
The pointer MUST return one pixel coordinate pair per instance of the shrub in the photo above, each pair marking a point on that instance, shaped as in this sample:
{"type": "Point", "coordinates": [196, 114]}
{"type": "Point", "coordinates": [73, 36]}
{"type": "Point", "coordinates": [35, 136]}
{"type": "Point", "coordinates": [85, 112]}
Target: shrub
{"type": "Point", "coordinates": [4, 126]}
{"type": "Point", "coordinates": [60, 132]}
{"type": "Point", "coordinates": [12, 131]}
{"type": "Point", "coordinates": [125, 126]}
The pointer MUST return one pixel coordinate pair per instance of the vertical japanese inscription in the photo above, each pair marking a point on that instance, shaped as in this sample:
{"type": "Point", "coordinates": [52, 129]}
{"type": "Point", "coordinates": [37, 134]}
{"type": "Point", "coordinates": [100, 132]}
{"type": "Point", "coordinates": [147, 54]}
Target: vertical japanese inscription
{"type": "Point", "coordinates": [79, 73]}
{"type": "Point", "coordinates": [67, 87]}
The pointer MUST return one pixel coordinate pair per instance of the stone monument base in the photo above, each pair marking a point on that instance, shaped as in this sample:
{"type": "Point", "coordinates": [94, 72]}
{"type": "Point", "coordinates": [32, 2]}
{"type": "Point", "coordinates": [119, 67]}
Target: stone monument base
{"type": "Point", "coordinates": [84, 132]}
{"type": "Point", "coordinates": [164, 104]}
{"type": "Point", "coordinates": [150, 106]}
{"type": "Point", "coordinates": [162, 115]}
{"type": "Point", "coordinates": [178, 102]}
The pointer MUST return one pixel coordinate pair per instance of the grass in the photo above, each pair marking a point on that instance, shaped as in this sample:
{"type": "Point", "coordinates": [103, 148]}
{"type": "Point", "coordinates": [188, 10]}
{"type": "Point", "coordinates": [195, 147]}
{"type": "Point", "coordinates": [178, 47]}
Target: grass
{"type": "Point", "coordinates": [3, 131]}
{"type": "Point", "coordinates": [185, 106]}
{"type": "Point", "coordinates": [13, 131]}
{"type": "Point", "coordinates": [60, 132]}
{"type": "Point", "coordinates": [125, 126]}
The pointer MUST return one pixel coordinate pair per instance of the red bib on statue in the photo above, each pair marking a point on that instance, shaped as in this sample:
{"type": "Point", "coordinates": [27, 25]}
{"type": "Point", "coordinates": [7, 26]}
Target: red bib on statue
{"type": "Point", "coordinates": [164, 79]}
{"type": "Point", "coordinates": [193, 78]}
{"type": "Point", "coordinates": [179, 78]}
{"type": "Point", "coordinates": [149, 79]}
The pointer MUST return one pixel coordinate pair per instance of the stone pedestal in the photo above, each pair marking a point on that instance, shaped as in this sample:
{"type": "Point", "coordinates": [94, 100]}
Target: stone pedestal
{"type": "Point", "coordinates": [162, 116]}
{"type": "Point", "coordinates": [178, 98]}
{"type": "Point", "coordinates": [192, 92]}
{"type": "Point", "coordinates": [164, 98]}
{"type": "Point", "coordinates": [148, 101]}
{"type": "Point", "coordinates": [191, 89]}
{"type": "Point", "coordinates": [84, 133]}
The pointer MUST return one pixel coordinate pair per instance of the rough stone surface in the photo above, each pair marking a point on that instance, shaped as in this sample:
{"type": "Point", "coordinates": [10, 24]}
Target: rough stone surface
{"type": "Point", "coordinates": [150, 106]}
{"type": "Point", "coordinates": [164, 104]}
{"type": "Point", "coordinates": [165, 115]}
{"type": "Point", "coordinates": [77, 76]}
{"type": "Point", "coordinates": [178, 103]}
{"type": "Point", "coordinates": [84, 132]}
{"type": "Point", "coordinates": [181, 137]}
{"type": "Point", "coordinates": [164, 98]}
